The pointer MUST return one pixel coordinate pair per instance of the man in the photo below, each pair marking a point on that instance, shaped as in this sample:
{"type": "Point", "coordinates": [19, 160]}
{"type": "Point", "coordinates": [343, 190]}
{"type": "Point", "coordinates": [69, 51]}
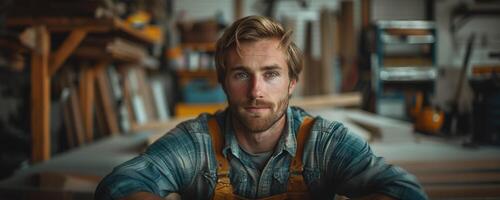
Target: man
{"type": "Point", "coordinates": [259, 147]}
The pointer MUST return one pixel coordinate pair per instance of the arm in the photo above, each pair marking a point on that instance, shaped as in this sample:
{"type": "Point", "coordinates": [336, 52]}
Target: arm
{"type": "Point", "coordinates": [163, 169]}
{"type": "Point", "coordinates": [356, 172]}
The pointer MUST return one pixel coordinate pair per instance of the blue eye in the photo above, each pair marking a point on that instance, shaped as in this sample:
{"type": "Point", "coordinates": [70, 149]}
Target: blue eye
{"type": "Point", "coordinates": [272, 74]}
{"type": "Point", "coordinates": [241, 75]}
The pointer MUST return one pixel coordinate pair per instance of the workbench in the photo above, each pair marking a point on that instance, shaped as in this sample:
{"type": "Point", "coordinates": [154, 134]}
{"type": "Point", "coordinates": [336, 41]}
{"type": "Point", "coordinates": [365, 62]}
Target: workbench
{"type": "Point", "coordinates": [446, 169]}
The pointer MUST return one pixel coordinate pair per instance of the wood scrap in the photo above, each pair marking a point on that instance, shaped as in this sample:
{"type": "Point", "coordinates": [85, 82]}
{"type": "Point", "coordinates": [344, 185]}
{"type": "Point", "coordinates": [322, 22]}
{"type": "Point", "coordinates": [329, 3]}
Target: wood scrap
{"type": "Point", "coordinates": [106, 99]}
{"type": "Point", "coordinates": [352, 99]}
{"type": "Point", "coordinates": [67, 181]}
{"type": "Point", "coordinates": [87, 98]}
{"type": "Point", "coordinates": [76, 116]}
{"type": "Point", "coordinates": [40, 96]}
{"type": "Point", "coordinates": [328, 55]}
{"type": "Point", "coordinates": [145, 92]}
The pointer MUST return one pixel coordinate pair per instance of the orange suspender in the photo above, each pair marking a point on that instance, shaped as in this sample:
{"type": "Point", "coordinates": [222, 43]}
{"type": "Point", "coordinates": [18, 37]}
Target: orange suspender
{"type": "Point", "coordinates": [296, 185]}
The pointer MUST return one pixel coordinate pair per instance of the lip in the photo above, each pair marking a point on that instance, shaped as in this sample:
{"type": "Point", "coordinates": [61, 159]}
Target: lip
{"type": "Point", "coordinates": [255, 108]}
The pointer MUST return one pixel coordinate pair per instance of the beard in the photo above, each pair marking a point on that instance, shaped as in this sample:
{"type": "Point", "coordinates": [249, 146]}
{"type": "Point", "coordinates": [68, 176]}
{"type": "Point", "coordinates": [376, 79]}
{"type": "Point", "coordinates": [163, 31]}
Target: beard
{"type": "Point", "coordinates": [257, 122]}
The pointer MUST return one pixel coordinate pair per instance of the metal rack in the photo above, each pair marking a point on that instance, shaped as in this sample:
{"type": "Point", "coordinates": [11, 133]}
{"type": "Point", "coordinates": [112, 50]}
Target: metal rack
{"type": "Point", "coordinates": [404, 56]}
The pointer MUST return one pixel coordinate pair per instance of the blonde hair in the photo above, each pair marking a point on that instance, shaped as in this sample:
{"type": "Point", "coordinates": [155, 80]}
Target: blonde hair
{"type": "Point", "coordinates": [255, 28]}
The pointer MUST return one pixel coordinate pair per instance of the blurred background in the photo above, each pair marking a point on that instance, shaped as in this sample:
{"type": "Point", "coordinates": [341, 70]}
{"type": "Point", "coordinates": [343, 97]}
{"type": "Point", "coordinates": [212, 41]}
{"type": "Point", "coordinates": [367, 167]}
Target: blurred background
{"type": "Point", "coordinates": [88, 84]}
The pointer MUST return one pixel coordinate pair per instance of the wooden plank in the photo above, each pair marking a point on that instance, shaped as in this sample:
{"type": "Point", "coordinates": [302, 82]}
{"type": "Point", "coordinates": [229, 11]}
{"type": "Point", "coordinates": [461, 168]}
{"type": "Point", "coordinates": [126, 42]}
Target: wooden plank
{"type": "Point", "coordinates": [459, 178]}
{"type": "Point", "coordinates": [159, 128]}
{"type": "Point", "coordinates": [123, 71]}
{"type": "Point", "coordinates": [68, 124]}
{"type": "Point", "coordinates": [64, 24]}
{"type": "Point", "coordinates": [238, 9]}
{"type": "Point", "coordinates": [185, 76]}
{"type": "Point", "coordinates": [87, 97]}
{"type": "Point", "coordinates": [76, 116]}
{"type": "Point", "coordinates": [374, 130]}
{"type": "Point", "coordinates": [463, 191]}
{"type": "Point", "coordinates": [118, 49]}
{"type": "Point", "coordinates": [145, 92]}
{"type": "Point", "coordinates": [327, 29]}
{"type": "Point", "coordinates": [200, 46]}
{"type": "Point", "coordinates": [192, 110]}
{"type": "Point", "coordinates": [102, 128]}
{"type": "Point", "coordinates": [409, 31]}
{"type": "Point", "coordinates": [67, 181]}
{"type": "Point", "coordinates": [40, 96]}
{"type": "Point", "coordinates": [450, 166]}
{"type": "Point", "coordinates": [67, 47]}
{"type": "Point", "coordinates": [348, 46]}
{"type": "Point", "coordinates": [341, 100]}
{"type": "Point", "coordinates": [366, 6]}
{"type": "Point", "coordinates": [106, 99]}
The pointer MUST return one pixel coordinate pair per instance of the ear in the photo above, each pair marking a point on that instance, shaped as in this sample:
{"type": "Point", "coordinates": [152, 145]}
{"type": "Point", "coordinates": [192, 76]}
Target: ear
{"type": "Point", "coordinates": [291, 86]}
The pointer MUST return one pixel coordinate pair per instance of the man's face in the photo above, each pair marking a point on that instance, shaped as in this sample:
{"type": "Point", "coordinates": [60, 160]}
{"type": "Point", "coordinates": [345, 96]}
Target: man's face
{"type": "Point", "coordinates": [257, 84]}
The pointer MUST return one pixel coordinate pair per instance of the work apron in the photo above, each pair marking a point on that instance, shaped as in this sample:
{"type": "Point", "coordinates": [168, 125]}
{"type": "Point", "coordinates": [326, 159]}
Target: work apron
{"type": "Point", "coordinates": [297, 188]}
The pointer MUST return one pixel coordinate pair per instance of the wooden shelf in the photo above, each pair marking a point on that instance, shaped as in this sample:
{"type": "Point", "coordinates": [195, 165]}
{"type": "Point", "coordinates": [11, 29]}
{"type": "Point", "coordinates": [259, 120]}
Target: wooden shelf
{"type": "Point", "coordinates": [186, 75]}
{"type": "Point", "coordinates": [58, 24]}
{"type": "Point", "coordinates": [46, 62]}
{"type": "Point", "coordinates": [197, 73]}
{"type": "Point", "coordinates": [192, 110]}
{"type": "Point", "coordinates": [209, 46]}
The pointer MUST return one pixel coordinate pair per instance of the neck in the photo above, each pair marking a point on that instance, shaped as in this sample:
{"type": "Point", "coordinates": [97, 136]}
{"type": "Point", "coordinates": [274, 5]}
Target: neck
{"type": "Point", "coordinates": [259, 142]}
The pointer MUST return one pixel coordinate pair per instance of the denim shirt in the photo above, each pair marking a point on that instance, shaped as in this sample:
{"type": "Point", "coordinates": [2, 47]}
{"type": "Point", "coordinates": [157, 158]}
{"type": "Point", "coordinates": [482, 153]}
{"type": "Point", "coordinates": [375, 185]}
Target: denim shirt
{"type": "Point", "coordinates": [335, 162]}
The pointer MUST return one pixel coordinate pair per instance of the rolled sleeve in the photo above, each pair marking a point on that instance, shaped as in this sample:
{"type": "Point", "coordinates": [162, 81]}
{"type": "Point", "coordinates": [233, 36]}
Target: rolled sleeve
{"type": "Point", "coordinates": [359, 172]}
{"type": "Point", "coordinates": [161, 170]}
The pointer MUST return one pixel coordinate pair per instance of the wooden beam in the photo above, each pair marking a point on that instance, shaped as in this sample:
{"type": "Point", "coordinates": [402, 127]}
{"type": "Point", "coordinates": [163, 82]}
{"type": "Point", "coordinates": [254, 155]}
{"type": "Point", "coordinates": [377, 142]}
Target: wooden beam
{"type": "Point", "coordinates": [40, 96]}
{"type": "Point", "coordinates": [238, 9]}
{"type": "Point", "coordinates": [106, 98]}
{"type": "Point", "coordinates": [87, 96]}
{"type": "Point", "coordinates": [68, 46]}
{"type": "Point", "coordinates": [461, 191]}
{"type": "Point", "coordinates": [322, 101]}
{"type": "Point", "coordinates": [76, 116]}
{"type": "Point", "coordinates": [64, 24]}
{"type": "Point", "coordinates": [420, 167]}
{"type": "Point", "coordinates": [366, 6]}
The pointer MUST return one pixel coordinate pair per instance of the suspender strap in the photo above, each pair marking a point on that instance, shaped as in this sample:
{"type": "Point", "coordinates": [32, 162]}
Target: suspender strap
{"type": "Point", "coordinates": [302, 136]}
{"type": "Point", "coordinates": [223, 187]}
{"type": "Point", "coordinates": [297, 188]}
{"type": "Point", "coordinates": [296, 185]}
{"type": "Point", "coordinates": [218, 144]}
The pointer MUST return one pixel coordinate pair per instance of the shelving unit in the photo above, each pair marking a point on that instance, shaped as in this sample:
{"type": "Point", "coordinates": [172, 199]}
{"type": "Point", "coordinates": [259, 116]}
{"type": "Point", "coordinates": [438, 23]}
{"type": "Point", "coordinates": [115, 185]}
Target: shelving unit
{"type": "Point", "coordinates": [462, 13]}
{"type": "Point", "coordinates": [45, 62]}
{"type": "Point", "coordinates": [404, 60]}
{"type": "Point", "coordinates": [197, 80]}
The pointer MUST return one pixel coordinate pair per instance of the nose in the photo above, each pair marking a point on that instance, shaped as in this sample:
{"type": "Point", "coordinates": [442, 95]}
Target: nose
{"type": "Point", "coordinates": [255, 88]}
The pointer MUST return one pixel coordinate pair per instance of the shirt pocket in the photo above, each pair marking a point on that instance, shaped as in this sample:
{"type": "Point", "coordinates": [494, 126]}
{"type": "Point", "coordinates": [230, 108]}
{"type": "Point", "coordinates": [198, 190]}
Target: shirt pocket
{"type": "Point", "coordinates": [210, 177]}
{"type": "Point", "coordinates": [239, 180]}
{"type": "Point", "coordinates": [202, 186]}
{"type": "Point", "coordinates": [311, 177]}
{"type": "Point", "coordinates": [280, 180]}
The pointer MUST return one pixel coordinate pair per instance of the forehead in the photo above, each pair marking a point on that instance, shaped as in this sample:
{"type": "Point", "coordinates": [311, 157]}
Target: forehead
{"type": "Point", "coordinates": [262, 52]}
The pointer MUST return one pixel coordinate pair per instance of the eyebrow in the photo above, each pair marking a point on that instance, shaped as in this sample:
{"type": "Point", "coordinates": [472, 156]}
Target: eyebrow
{"type": "Point", "coordinates": [265, 68]}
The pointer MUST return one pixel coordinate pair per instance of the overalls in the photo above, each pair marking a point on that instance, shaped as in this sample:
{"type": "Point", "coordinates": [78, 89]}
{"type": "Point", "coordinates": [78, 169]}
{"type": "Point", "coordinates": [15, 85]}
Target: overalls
{"type": "Point", "coordinates": [297, 188]}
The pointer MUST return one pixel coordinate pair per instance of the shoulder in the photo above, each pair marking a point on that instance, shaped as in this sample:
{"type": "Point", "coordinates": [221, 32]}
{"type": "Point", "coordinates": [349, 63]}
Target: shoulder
{"type": "Point", "coordinates": [330, 134]}
{"type": "Point", "coordinates": [321, 125]}
{"type": "Point", "coordinates": [187, 135]}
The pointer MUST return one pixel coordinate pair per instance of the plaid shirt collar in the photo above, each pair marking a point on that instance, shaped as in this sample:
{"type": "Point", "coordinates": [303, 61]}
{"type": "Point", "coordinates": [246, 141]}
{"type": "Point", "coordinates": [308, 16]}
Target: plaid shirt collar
{"type": "Point", "coordinates": [286, 143]}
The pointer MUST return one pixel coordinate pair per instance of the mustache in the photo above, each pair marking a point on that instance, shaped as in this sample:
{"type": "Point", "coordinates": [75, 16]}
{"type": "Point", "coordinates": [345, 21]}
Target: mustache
{"type": "Point", "coordinates": [258, 102]}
